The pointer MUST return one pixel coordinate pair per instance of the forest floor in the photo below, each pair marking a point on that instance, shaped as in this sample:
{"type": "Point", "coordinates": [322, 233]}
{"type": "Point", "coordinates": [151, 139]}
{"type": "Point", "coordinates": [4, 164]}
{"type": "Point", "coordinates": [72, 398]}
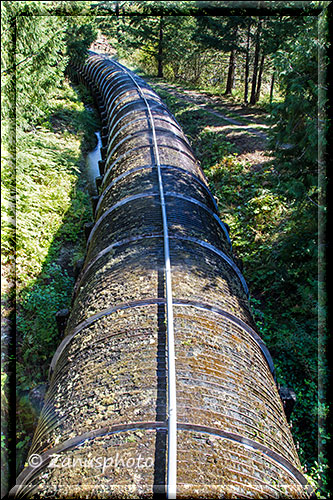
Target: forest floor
{"type": "Point", "coordinates": [242, 125]}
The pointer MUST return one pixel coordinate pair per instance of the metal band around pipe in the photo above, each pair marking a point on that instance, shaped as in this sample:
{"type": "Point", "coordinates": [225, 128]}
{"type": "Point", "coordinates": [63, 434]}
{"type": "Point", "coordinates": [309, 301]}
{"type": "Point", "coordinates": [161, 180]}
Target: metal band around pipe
{"type": "Point", "coordinates": [29, 472]}
{"type": "Point", "coordinates": [150, 194]}
{"type": "Point", "coordinates": [155, 301]}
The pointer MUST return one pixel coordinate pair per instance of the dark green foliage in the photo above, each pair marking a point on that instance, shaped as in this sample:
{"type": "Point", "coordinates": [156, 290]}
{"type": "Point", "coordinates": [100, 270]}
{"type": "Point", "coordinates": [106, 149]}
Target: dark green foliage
{"type": "Point", "coordinates": [39, 62]}
{"type": "Point", "coordinates": [162, 44]}
{"type": "Point", "coordinates": [36, 325]}
{"type": "Point", "coordinates": [159, 39]}
{"type": "Point", "coordinates": [37, 48]}
{"type": "Point", "coordinates": [295, 131]}
{"type": "Point", "coordinates": [298, 157]}
{"type": "Point", "coordinates": [220, 32]}
{"type": "Point", "coordinates": [37, 338]}
{"type": "Point", "coordinates": [80, 34]}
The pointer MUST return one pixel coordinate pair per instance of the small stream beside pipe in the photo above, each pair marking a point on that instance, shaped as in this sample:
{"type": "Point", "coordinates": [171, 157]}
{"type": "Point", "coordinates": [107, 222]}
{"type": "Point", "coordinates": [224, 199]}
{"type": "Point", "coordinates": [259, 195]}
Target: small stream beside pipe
{"type": "Point", "coordinates": [92, 168]}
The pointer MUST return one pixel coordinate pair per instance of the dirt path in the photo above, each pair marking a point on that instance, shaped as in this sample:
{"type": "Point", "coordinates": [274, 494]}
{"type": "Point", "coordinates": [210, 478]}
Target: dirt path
{"type": "Point", "coordinates": [242, 125]}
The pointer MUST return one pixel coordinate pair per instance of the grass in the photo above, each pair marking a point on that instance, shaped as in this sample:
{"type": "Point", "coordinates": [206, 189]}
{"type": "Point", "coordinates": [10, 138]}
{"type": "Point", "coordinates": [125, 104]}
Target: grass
{"type": "Point", "coordinates": [47, 235]}
{"type": "Point", "coordinates": [49, 161]}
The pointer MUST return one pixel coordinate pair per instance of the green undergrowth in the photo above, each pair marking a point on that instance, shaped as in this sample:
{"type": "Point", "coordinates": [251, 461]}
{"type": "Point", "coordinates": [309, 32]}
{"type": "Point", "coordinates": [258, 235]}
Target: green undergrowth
{"type": "Point", "coordinates": [274, 233]}
{"type": "Point", "coordinates": [47, 234]}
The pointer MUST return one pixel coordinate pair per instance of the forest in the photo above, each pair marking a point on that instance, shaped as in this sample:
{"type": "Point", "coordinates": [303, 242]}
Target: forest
{"type": "Point", "coordinates": [247, 83]}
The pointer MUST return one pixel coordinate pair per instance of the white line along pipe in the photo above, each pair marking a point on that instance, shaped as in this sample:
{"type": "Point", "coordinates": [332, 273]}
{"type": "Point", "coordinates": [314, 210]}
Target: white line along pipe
{"type": "Point", "coordinates": [172, 400]}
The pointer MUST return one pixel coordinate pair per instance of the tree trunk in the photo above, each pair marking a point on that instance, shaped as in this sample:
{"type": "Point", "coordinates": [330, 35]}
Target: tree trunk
{"type": "Point", "coordinates": [160, 51]}
{"type": "Point", "coordinates": [247, 64]}
{"type": "Point", "coordinates": [272, 88]}
{"type": "Point", "coordinates": [255, 65]}
{"type": "Point", "coordinates": [231, 73]}
{"type": "Point", "coordinates": [261, 68]}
